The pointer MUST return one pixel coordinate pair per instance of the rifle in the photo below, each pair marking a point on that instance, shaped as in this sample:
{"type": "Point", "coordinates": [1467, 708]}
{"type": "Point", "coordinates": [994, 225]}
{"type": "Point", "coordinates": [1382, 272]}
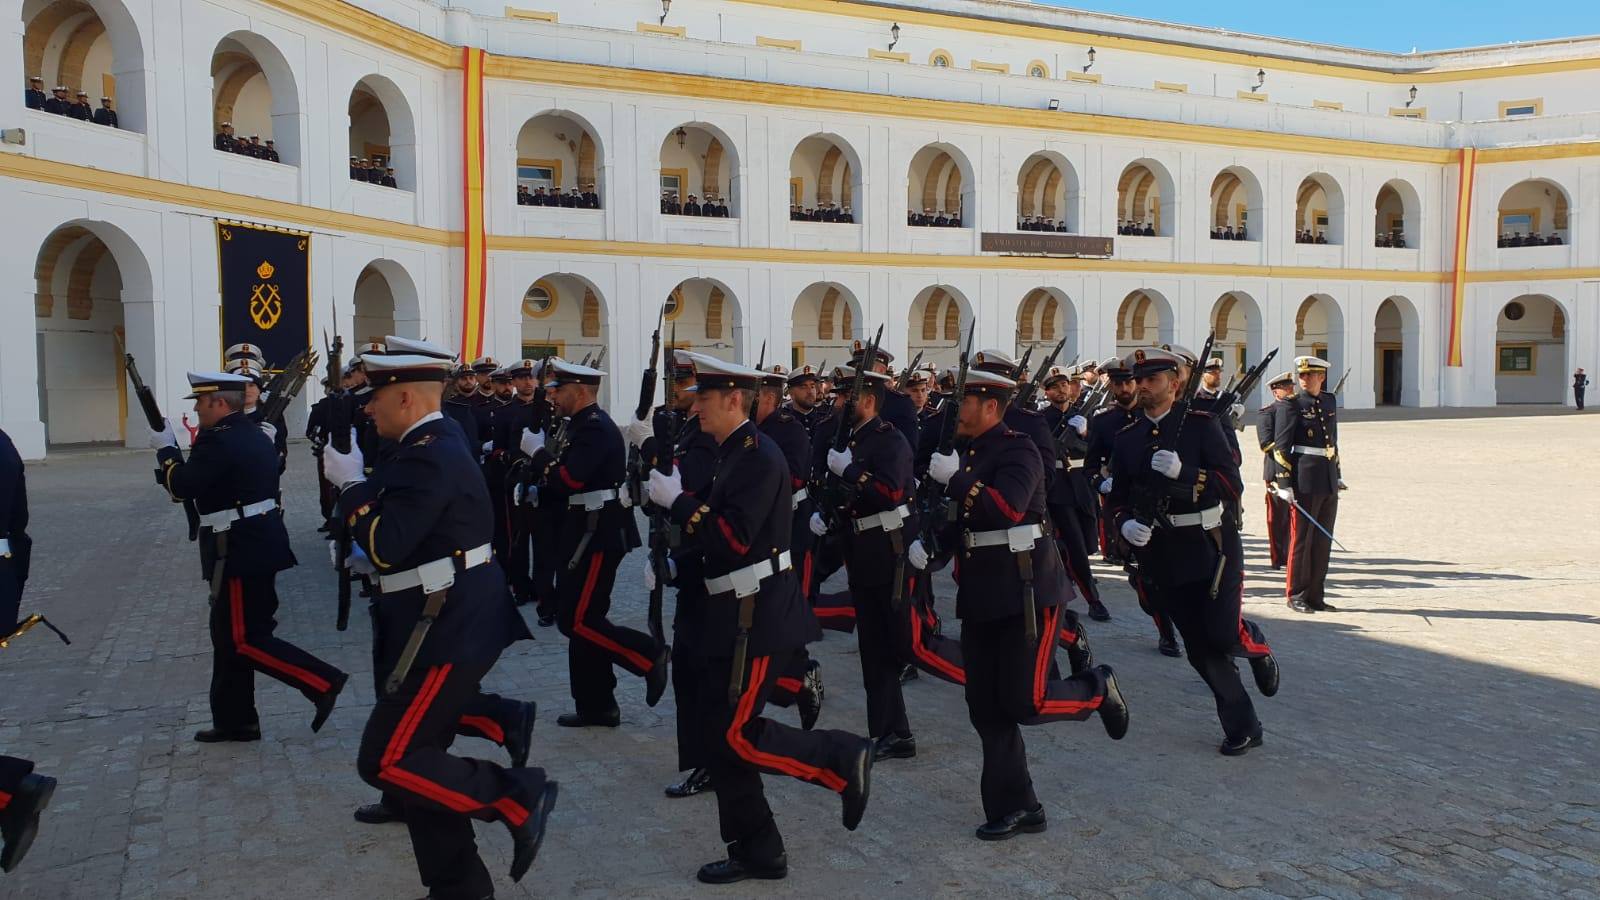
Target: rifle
{"type": "Point", "coordinates": [647, 394]}
{"type": "Point", "coordinates": [286, 385]}
{"type": "Point", "coordinates": [905, 374]}
{"type": "Point", "coordinates": [1026, 392]}
{"type": "Point", "coordinates": [158, 422]}
{"type": "Point", "coordinates": [1022, 364]}
{"type": "Point", "coordinates": [1340, 386]}
{"type": "Point", "coordinates": [930, 503]}
{"type": "Point", "coordinates": [755, 399]}
{"type": "Point", "coordinates": [1245, 385]}
{"type": "Point", "coordinates": [340, 418]}
{"type": "Point", "coordinates": [26, 625]}
{"type": "Point", "coordinates": [601, 358]}
{"type": "Point", "coordinates": [666, 425]}
{"type": "Point", "coordinates": [1151, 503]}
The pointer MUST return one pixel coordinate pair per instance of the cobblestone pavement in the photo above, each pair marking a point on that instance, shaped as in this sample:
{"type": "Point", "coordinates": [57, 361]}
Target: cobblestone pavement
{"type": "Point", "coordinates": [1437, 736]}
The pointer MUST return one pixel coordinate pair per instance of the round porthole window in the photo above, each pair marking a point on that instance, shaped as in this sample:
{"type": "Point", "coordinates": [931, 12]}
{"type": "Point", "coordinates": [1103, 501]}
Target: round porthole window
{"type": "Point", "coordinates": [1515, 311]}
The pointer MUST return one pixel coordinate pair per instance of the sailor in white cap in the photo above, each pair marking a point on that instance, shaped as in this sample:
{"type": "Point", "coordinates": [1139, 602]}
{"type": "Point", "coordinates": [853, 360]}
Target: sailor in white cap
{"type": "Point", "coordinates": [231, 477]}
{"type": "Point", "coordinates": [1306, 446]}
{"type": "Point", "coordinates": [1279, 512]}
{"type": "Point", "coordinates": [443, 617]}
{"type": "Point", "coordinates": [1171, 470]}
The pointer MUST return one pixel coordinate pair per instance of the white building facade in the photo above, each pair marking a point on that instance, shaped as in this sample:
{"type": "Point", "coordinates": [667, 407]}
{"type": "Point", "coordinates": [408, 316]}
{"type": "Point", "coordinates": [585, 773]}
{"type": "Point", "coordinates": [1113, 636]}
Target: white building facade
{"type": "Point", "coordinates": [1342, 190]}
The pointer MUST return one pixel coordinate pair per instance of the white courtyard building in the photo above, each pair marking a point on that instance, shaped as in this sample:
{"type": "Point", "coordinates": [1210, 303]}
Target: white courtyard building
{"type": "Point", "coordinates": [1428, 221]}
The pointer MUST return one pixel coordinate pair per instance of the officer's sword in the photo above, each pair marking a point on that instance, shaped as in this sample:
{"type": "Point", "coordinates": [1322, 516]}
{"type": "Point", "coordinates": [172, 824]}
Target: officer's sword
{"type": "Point", "coordinates": [26, 625]}
{"type": "Point", "coordinates": [1312, 520]}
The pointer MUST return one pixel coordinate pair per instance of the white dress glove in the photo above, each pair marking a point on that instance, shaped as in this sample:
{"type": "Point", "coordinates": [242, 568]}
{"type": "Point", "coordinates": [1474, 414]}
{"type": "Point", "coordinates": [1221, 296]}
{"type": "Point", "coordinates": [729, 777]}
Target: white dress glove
{"type": "Point", "coordinates": [1105, 486]}
{"type": "Point", "coordinates": [638, 431]}
{"type": "Point", "coordinates": [1167, 463]}
{"type": "Point", "coordinates": [1079, 424]}
{"type": "Point", "coordinates": [1284, 494]}
{"type": "Point", "coordinates": [163, 438]}
{"type": "Point", "coordinates": [839, 460]}
{"type": "Point", "coordinates": [818, 527]}
{"type": "Point", "coordinates": [664, 489]}
{"type": "Point", "coordinates": [1238, 411]}
{"type": "Point", "coordinates": [488, 447]}
{"type": "Point", "coordinates": [359, 563]}
{"type": "Point", "coordinates": [271, 431]}
{"type": "Point", "coordinates": [333, 553]}
{"type": "Point", "coordinates": [917, 555]}
{"type": "Point", "coordinates": [650, 573]}
{"type": "Point", "coordinates": [341, 469]}
{"type": "Point", "coordinates": [943, 466]}
{"type": "Point", "coordinates": [517, 494]}
{"type": "Point", "coordinates": [532, 442]}
{"type": "Point", "coordinates": [1343, 486]}
{"type": "Point", "coordinates": [1136, 532]}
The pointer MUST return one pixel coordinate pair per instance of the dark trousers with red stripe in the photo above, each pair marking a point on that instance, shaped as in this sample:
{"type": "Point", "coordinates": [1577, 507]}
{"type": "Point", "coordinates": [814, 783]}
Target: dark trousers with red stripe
{"type": "Point", "coordinates": [918, 638]}
{"type": "Point", "coordinates": [405, 752]}
{"type": "Point", "coordinates": [1073, 542]}
{"type": "Point", "coordinates": [879, 636]}
{"type": "Point", "coordinates": [242, 643]}
{"type": "Point", "coordinates": [1309, 548]}
{"type": "Point", "coordinates": [12, 771]}
{"type": "Point", "coordinates": [1074, 639]}
{"type": "Point", "coordinates": [1163, 623]}
{"type": "Point", "coordinates": [596, 644]}
{"type": "Point", "coordinates": [741, 745]}
{"type": "Point", "coordinates": [1278, 516]}
{"type": "Point", "coordinates": [834, 611]}
{"type": "Point", "coordinates": [788, 684]}
{"type": "Point", "coordinates": [1009, 684]}
{"type": "Point", "coordinates": [1213, 634]}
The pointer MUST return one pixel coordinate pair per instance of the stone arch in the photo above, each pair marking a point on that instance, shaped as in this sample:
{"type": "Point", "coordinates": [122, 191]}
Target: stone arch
{"type": "Point", "coordinates": [1047, 186]}
{"type": "Point", "coordinates": [385, 301]}
{"type": "Point", "coordinates": [1144, 319]}
{"type": "Point", "coordinates": [1397, 354]}
{"type": "Point", "coordinates": [825, 170]}
{"type": "Point", "coordinates": [940, 181]}
{"type": "Point", "coordinates": [1531, 360]}
{"type": "Point", "coordinates": [1237, 202]}
{"type": "Point", "coordinates": [89, 45]}
{"type": "Point", "coordinates": [1045, 316]}
{"type": "Point", "coordinates": [254, 88]}
{"type": "Point", "coordinates": [708, 317]}
{"type": "Point", "coordinates": [1534, 206]}
{"type": "Point", "coordinates": [825, 319]}
{"type": "Point", "coordinates": [1319, 209]}
{"type": "Point", "coordinates": [939, 315]}
{"type": "Point", "coordinates": [706, 158]}
{"type": "Point", "coordinates": [1145, 196]}
{"type": "Point", "coordinates": [381, 124]}
{"type": "Point", "coordinates": [1398, 215]}
{"type": "Point", "coordinates": [1237, 322]}
{"type": "Point", "coordinates": [564, 315]}
{"type": "Point", "coordinates": [1319, 330]}
{"type": "Point", "coordinates": [563, 146]}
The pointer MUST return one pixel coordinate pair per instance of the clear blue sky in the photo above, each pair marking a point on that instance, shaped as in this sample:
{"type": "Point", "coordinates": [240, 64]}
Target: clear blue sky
{"type": "Point", "coordinates": [1374, 25]}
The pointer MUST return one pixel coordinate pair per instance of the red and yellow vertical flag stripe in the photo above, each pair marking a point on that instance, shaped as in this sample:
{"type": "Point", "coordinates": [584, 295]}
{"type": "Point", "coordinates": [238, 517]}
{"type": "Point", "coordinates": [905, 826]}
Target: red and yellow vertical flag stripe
{"type": "Point", "coordinates": [474, 260]}
{"type": "Point", "coordinates": [1458, 296]}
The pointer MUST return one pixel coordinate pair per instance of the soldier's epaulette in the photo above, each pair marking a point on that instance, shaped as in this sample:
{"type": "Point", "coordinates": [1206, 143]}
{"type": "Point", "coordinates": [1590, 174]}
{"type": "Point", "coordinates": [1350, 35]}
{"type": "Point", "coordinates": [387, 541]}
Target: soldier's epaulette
{"type": "Point", "coordinates": [750, 440]}
{"type": "Point", "coordinates": [423, 441]}
{"type": "Point", "coordinates": [783, 416]}
{"type": "Point", "coordinates": [1200, 412]}
{"type": "Point", "coordinates": [220, 428]}
{"type": "Point", "coordinates": [1130, 424]}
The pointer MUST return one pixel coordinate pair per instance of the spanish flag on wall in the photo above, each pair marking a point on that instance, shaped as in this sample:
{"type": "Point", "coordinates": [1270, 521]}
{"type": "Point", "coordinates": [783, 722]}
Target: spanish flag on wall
{"type": "Point", "coordinates": [475, 260]}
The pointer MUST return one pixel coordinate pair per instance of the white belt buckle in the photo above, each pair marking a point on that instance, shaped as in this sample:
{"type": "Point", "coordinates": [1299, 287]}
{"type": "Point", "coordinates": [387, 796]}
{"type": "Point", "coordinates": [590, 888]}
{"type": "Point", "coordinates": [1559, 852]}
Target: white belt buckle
{"type": "Point", "coordinates": [437, 575]}
{"type": "Point", "coordinates": [747, 581]}
{"type": "Point", "coordinates": [1021, 538]}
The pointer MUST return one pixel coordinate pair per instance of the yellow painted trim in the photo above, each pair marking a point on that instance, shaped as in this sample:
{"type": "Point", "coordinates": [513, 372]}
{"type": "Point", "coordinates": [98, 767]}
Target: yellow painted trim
{"type": "Point", "coordinates": [213, 201]}
{"type": "Point", "coordinates": [777, 43]}
{"type": "Point", "coordinates": [887, 55]}
{"type": "Point", "coordinates": [1409, 112]}
{"type": "Point", "coordinates": [949, 61]}
{"type": "Point", "coordinates": [1027, 70]}
{"type": "Point", "coordinates": [1084, 77]}
{"type": "Point", "coordinates": [791, 97]}
{"type": "Point", "coordinates": [529, 312]}
{"type": "Point", "coordinates": [797, 191]}
{"type": "Point", "coordinates": [1252, 96]}
{"type": "Point", "coordinates": [1466, 177]}
{"type": "Point", "coordinates": [1172, 87]}
{"type": "Point", "coordinates": [995, 68]}
{"type": "Point", "coordinates": [372, 28]}
{"type": "Point", "coordinates": [1530, 154]}
{"type": "Point", "coordinates": [473, 208]}
{"type": "Point", "coordinates": [1328, 104]}
{"type": "Point", "coordinates": [683, 183]}
{"type": "Point", "coordinates": [1533, 358]}
{"type": "Point", "coordinates": [663, 30]}
{"type": "Point", "coordinates": [969, 25]}
{"type": "Point", "coordinates": [1509, 275]}
{"type": "Point", "coordinates": [1537, 103]}
{"type": "Point", "coordinates": [554, 165]}
{"type": "Point", "coordinates": [532, 15]}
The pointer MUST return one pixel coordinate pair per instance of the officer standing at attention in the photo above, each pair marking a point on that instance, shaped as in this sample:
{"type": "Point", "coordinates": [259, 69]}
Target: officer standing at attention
{"type": "Point", "coordinates": [24, 794]}
{"type": "Point", "coordinates": [1171, 473]}
{"type": "Point", "coordinates": [1580, 383]}
{"type": "Point", "coordinates": [232, 478]}
{"type": "Point", "coordinates": [105, 115]}
{"type": "Point", "coordinates": [755, 628]}
{"type": "Point", "coordinates": [443, 618]}
{"type": "Point", "coordinates": [1278, 511]}
{"type": "Point", "coordinates": [34, 97]}
{"type": "Point", "coordinates": [1009, 597]}
{"type": "Point", "coordinates": [584, 478]}
{"type": "Point", "coordinates": [1306, 445]}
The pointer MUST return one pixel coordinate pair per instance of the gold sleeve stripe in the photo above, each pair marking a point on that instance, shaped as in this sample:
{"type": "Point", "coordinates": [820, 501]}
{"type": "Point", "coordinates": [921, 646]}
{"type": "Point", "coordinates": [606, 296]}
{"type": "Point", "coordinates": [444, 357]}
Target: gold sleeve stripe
{"type": "Point", "coordinates": [372, 543]}
{"type": "Point", "coordinates": [167, 479]}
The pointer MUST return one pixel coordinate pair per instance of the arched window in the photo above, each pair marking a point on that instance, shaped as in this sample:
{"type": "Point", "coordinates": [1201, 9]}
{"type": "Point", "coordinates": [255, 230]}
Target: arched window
{"type": "Point", "coordinates": [941, 59]}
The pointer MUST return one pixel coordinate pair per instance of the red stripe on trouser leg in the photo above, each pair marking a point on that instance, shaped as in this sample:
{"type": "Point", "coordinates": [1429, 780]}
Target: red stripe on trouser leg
{"type": "Point", "coordinates": [933, 660]}
{"type": "Point", "coordinates": [1294, 539]}
{"type": "Point", "coordinates": [485, 726]}
{"type": "Point", "coordinates": [840, 612]}
{"type": "Point", "coordinates": [1272, 542]}
{"type": "Point", "coordinates": [805, 575]}
{"type": "Point", "coordinates": [509, 809]}
{"type": "Point", "coordinates": [401, 739]}
{"type": "Point", "coordinates": [747, 751]}
{"type": "Point", "coordinates": [594, 637]}
{"type": "Point", "coordinates": [5, 799]}
{"type": "Point", "coordinates": [236, 605]}
{"type": "Point", "coordinates": [792, 685]}
{"type": "Point", "coordinates": [1250, 644]}
{"type": "Point", "coordinates": [1041, 670]}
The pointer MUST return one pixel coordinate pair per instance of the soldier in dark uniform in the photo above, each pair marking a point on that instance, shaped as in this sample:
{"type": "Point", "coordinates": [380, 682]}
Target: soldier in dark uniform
{"type": "Point", "coordinates": [232, 478]}
{"type": "Point", "coordinates": [755, 626]}
{"type": "Point", "coordinates": [1010, 571]}
{"type": "Point", "coordinates": [1306, 446]}
{"type": "Point", "coordinates": [1580, 383]}
{"type": "Point", "coordinates": [224, 140]}
{"type": "Point", "coordinates": [529, 410]}
{"type": "Point", "coordinates": [24, 793]}
{"type": "Point", "coordinates": [1070, 501]}
{"type": "Point", "coordinates": [105, 115]}
{"type": "Point", "coordinates": [59, 103]}
{"type": "Point", "coordinates": [1171, 470]}
{"type": "Point", "coordinates": [276, 429]}
{"type": "Point", "coordinates": [597, 531]}
{"type": "Point", "coordinates": [1273, 475]}
{"type": "Point", "coordinates": [834, 610]}
{"type": "Point", "coordinates": [388, 180]}
{"type": "Point", "coordinates": [80, 108]}
{"type": "Point", "coordinates": [443, 618]}
{"type": "Point", "coordinates": [802, 402]}
{"type": "Point", "coordinates": [34, 97]}
{"type": "Point", "coordinates": [897, 409]}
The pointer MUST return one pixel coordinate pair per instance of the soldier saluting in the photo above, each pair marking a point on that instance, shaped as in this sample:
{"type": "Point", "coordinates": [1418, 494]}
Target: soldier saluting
{"type": "Point", "coordinates": [755, 629]}
{"type": "Point", "coordinates": [1306, 445]}
{"type": "Point", "coordinates": [232, 477]}
{"type": "Point", "coordinates": [1171, 472]}
{"type": "Point", "coordinates": [443, 618]}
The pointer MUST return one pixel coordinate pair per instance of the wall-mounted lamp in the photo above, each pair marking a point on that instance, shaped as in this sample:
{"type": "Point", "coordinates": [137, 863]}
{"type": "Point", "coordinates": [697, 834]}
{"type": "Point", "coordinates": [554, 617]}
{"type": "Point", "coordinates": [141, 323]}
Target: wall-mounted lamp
{"type": "Point", "coordinates": [894, 35]}
{"type": "Point", "coordinates": [1054, 104]}
{"type": "Point", "coordinates": [681, 135]}
{"type": "Point", "coordinates": [666, 7]}
{"type": "Point", "coordinates": [1091, 60]}
{"type": "Point", "coordinates": [1413, 97]}
{"type": "Point", "coordinates": [1261, 78]}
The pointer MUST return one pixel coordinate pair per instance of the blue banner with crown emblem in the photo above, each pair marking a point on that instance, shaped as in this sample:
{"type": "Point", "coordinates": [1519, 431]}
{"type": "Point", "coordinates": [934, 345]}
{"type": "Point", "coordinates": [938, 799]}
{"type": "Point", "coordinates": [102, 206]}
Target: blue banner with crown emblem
{"type": "Point", "coordinates": [264, 277]}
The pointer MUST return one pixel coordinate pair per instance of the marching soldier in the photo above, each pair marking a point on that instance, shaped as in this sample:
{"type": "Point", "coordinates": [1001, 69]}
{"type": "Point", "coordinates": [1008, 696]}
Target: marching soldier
{"type": "Point", "coordinates": [232, 478]}
{"type": "Point", "coordinates": [443, 618]}
{"type": "Point", "coordinates": [897, 410]}
{"type": "Point", "coordinates": [755, 628]}
{"type": "Point", "coordinates": [802, 403]}
{"type": "Point", "coordinates": [1009, 598]}
{"type": "Point", "coordinates": [1171, 471]}
{"type": "Point", "coordinates": [1278, 512]}
{"type": "Point", "coordinates": [1071, 504]}
{"type": "Point", "coordinates": [1306, 446]}
{"type": "Point", "coordinates": [527, 410]}
{"type": "Point", "coordinates": [24, 793]}
{"type": "Point", "coordinates": [584, 477]}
